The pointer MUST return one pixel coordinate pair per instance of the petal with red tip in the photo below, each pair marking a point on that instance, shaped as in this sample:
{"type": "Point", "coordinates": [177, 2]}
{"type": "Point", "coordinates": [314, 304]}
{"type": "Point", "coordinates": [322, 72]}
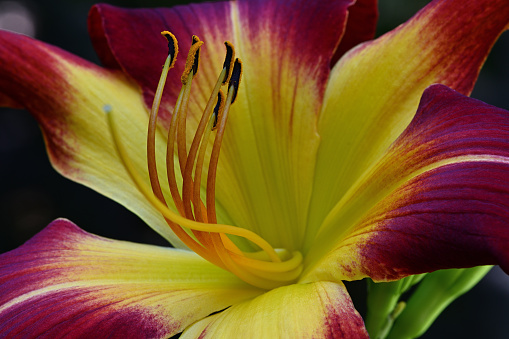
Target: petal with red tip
{"type": "Point", "coordinates": [67, 95]}
{"type": "Point", "coordinates": [375, 89]}
{"type": "Point", "coordinates": [438, 199]}
{"type": "Point", "coordinates": [317, 310]}
{"type": "Point", "coordinates": [66, 282]}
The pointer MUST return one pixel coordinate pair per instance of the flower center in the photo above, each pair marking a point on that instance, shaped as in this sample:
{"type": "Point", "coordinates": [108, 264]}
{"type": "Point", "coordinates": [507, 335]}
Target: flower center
{"type": "Point", "coordinates": [196, 222]}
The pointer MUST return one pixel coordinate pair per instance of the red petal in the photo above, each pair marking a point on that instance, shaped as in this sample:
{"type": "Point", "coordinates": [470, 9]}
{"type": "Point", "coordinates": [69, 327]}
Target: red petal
{"type": "Point", "coordinates": [66, 282]}
{"type": "Point", "coordinates": [438, 199]}
{"type": "Point", "coordinates": [456, 215]}
{"type": "Point", "coordinates": [33, 62]}
{"type": "Point", "coordinates": [360, 27]}
{"type": "Point", "coordinates": [33, 76]}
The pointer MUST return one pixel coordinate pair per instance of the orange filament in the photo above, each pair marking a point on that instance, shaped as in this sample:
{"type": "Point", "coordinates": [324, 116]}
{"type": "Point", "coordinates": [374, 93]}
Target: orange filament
{"type": "Point", "coordinates": [190, 191]}
{"type": "Point", "coordinates": [196, 222]}
{"type": "Point", "coordinates": [214, 158]}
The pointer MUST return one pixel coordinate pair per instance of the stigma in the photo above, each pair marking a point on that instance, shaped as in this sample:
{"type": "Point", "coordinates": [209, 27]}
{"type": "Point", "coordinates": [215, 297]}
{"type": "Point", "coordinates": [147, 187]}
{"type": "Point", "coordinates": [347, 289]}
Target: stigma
{"type": "Point", "coordinates": [194, 219]}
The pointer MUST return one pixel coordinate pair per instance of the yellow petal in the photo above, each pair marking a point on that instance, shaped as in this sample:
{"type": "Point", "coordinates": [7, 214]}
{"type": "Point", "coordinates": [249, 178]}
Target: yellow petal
{"type": "Point", "coordinates": [316, 310]}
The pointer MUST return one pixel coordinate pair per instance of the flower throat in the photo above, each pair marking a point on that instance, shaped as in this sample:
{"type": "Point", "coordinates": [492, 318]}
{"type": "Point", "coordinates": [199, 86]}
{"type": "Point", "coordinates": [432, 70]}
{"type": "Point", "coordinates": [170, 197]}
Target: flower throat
{"type": "Point", "coordinates": [196, 222]}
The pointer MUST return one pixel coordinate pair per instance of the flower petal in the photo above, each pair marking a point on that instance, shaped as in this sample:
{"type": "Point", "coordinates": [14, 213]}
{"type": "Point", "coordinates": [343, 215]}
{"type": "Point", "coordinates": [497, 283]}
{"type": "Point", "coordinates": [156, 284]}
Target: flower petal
{"type": "Point", "coordinates": [65, 281]}
{"type": "Point", "coordinates": [375, 89]}
{"type": "Point", "coordinates": [286, 48]}
{"type": "Point", "coordinates": [317, 310]}
{"type": "Point", "coordinates": [438, 199]}
{"type": "Point", "coordinates": [360, 27]}
{"type": "Point", "coordinates": [66, 95]}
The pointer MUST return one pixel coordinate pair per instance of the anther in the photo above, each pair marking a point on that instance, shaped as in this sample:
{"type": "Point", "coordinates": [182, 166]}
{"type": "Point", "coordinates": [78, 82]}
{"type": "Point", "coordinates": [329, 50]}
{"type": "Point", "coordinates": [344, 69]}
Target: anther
{"type": "Point", "coordinates": [172, 47]}
{"type": "Point", "coordinates": [196, 40]}
{"type": "Point", "coordinates": [235, 79]}
{"type": "Point", "coordinates": [192, 60]}
{"type": "Point", "coordinates": [219, 108]}
{"type": "Point", "coordinates": [228, 61]}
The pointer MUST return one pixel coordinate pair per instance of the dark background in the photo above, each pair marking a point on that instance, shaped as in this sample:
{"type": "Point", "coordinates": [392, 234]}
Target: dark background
{"type": "Point", "coordinates": [32, 194]}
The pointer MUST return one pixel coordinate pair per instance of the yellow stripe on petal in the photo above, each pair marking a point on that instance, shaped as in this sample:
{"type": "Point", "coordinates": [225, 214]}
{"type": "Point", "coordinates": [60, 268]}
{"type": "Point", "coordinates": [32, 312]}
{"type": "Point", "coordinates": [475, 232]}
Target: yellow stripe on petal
{"type": "Point", "coordinates": [316, 310]}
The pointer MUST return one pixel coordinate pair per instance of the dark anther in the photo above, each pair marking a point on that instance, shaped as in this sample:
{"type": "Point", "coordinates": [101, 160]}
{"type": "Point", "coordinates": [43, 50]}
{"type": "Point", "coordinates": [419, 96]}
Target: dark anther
{"type": "Point", "coordinates": [217, 109]}
{"type": "Point", "coordinates": [230, 54]}
{"type": "Point", "coordinates": [235, 78]}
{"type": "Point", "coordinates": [172, 46]}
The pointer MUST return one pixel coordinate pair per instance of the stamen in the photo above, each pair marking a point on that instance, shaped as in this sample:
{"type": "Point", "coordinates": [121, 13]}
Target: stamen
{"type": "Point", "coordinates": [225, 74]}
{"type": "Point", "coordinates": [152, 126]}
{"type": "Point", "coordinates": [164, 210]}
{"type": "Point", "coordinates": [187, 182]}
{"type": "Point", "coordinates": [151, 141]}
{"type": "Point", "coordinates": [180, 119]}
{"type": "Point", "coordinates": [230, 246]}
{"type": "Point", "coordinates": [265, 269]}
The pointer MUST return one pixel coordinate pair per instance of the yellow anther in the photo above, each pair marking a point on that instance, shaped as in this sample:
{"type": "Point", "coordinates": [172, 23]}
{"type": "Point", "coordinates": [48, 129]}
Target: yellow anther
{"type": "Point", "coordinates": [193, 58]}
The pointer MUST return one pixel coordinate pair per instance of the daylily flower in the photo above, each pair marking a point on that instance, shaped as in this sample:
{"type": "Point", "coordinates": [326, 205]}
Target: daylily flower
{"type": "Point", "coordinates": [324, 172]}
